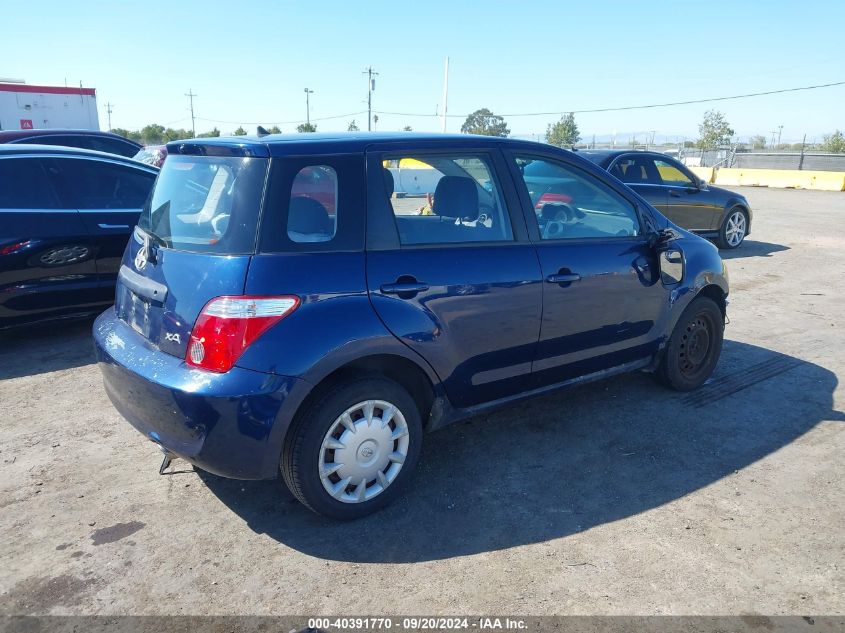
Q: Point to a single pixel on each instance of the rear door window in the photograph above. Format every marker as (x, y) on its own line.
(445, 199)
(207, 204)
(636, 170)
(24, 184)
(99, 184)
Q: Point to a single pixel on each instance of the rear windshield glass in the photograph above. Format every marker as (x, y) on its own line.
(206, 204)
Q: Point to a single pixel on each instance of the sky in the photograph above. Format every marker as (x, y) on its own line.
(250, 62)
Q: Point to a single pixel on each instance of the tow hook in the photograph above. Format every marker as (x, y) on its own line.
(165, 463)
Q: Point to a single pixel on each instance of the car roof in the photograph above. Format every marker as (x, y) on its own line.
(7, 136)
(28, 149)
(339, 142)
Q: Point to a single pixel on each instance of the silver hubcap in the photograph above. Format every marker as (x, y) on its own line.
(735, 231)
(363, 451)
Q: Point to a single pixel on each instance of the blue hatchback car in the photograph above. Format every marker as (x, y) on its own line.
(313, 304)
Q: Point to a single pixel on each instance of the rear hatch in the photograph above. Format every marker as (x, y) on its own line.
(193, 242)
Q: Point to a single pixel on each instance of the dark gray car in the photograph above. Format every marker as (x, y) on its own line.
(679, 194)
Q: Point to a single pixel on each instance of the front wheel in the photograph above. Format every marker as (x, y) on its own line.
(733, 229)
(694, 347)
(350, 452)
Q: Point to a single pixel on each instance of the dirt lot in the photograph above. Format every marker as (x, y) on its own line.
(618, 497)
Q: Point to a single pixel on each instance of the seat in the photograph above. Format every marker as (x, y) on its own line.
(456, 197)
(309, 221)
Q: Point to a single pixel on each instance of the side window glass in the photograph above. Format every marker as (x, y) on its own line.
(24, 184)
(94, 184)
(445, 199)
(312, 213)
(671, 175)
(636, 170)
(571, 204)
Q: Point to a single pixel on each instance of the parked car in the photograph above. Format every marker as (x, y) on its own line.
(83, 139)
(255, 333)
(680, 195)
(65, 218)
(152, 155)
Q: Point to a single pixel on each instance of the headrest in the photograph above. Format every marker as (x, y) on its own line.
(306, 215)
(456, 197)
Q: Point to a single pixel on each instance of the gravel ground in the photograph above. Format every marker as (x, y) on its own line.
(618, 497)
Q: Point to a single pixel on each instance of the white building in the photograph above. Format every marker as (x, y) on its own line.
(24, 106)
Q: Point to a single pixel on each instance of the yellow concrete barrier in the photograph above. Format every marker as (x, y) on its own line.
(781, 178)
(705, 173)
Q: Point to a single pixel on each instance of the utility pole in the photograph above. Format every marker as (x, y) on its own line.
(109, 111)
(371, 85)
(445, 96)
(801, 160)
(190, 94)
(308, 93)
(780, 129)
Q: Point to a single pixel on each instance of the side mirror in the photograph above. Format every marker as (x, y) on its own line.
(671, 267)
(701, 183)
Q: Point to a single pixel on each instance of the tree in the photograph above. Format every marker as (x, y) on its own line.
(485, 122)
(714, 130)
(758, 142)
(274, 130)
(152, 134)
(352, 127)
(564, 132)
(214, 133)
(407, 128)
(239, 132)
(306, 127)
(173, 135)
(833, 143)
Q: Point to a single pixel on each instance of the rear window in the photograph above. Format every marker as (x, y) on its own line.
(207, 204)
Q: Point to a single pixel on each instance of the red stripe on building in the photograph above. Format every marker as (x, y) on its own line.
(50, 90)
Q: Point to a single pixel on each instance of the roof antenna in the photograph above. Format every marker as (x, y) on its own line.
(261, 132)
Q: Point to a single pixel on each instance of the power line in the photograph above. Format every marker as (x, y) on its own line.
(325, 118)
(636, 107)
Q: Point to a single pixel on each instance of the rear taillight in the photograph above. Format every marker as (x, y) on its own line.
(228, 325)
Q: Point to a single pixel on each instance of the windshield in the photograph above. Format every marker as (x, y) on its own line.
(206, 204)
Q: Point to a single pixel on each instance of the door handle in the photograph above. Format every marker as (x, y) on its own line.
(402, 288)
(674, 194)
(103, 225)
(563, 278)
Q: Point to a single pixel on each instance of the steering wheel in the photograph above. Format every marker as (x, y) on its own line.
(557, 216)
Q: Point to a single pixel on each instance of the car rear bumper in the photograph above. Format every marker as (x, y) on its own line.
(230, 424)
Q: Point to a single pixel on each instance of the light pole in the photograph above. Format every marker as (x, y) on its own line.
(780, 129)
(308, 93)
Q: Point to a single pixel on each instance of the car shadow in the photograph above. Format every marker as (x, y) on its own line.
(752, 248)
(43, 348)
(563, 463)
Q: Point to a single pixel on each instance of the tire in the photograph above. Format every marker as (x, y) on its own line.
(333, 429)
(694, 347)
(734, 228)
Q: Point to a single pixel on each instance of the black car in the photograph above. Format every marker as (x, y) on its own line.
(65, 217)
(679, 194)
(83, 139)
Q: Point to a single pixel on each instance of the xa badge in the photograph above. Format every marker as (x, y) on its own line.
(173, 336)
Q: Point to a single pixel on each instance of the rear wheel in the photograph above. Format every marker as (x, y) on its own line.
(694, 347)
(351, 452)
(733, 229)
